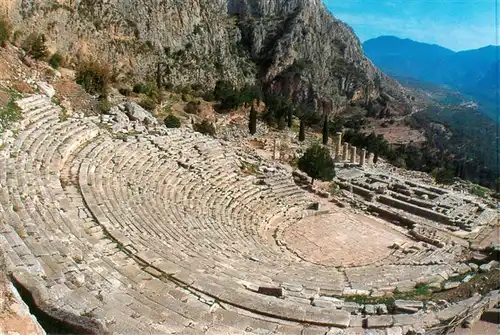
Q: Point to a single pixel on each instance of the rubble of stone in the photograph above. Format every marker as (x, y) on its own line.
(130, 117)
(174, 232)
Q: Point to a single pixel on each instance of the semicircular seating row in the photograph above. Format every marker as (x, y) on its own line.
(172, 230)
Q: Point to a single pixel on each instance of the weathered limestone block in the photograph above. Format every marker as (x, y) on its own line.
(137, 113)
(379, 321)
(352, 307)
(488, 266)
(451, 285)
(46, 89)
(408, 306)
(395, 331)
(455, 309)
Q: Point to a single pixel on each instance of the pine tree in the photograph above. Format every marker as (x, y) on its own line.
(252, 124)
(302, 131)
(317, 163)
(325, 131)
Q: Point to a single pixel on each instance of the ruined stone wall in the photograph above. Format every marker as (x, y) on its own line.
(363, 192)
(415, 210)
(414, 201)
(390, 216)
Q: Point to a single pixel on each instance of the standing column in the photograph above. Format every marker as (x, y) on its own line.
(362, 157)
(339, 146)
(353, 154)
(345, 152)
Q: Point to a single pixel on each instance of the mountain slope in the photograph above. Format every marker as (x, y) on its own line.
(404, 57)
(293, 47)
(473, 71)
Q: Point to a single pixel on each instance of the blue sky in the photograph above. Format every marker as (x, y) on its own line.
(454, 24)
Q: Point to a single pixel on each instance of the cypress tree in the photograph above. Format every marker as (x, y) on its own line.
(325, 131)
(302, 131)
(252, 125)
(290, 116)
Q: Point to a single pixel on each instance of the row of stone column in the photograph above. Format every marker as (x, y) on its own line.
(342, 152)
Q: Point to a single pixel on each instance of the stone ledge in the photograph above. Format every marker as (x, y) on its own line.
(43, 302)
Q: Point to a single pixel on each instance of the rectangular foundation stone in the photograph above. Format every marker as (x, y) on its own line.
(379, 321)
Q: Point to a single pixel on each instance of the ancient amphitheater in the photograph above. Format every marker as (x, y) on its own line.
(164, 233)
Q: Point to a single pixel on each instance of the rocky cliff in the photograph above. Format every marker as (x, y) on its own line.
(292, 47)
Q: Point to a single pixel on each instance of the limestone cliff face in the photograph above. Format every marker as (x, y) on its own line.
(293, 47)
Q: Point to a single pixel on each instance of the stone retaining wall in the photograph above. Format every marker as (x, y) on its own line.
(415, 210)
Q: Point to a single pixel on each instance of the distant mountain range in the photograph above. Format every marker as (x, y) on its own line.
(473, 72)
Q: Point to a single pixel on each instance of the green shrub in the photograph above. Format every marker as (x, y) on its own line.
(334, 189)
(103, 106)
(148, 89)
(444, 176)
(9, 114)
(205, 127)
(16, 37)
(480, 191)
(34, 45)
(94, 77)
(56, 60)
(139, 88)
(148, 103)
(4, 32)
(172, 121)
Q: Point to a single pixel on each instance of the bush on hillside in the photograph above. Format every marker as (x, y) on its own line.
(205, 127)
(103, 106)
(34, 45)
(149, 89)
(4, 32)
(94, 77)
(56, 60)
(16, 37)
(172, 121)
(148, 103)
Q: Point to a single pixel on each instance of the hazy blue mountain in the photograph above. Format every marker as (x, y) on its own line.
(404, 57)
(473, 72)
